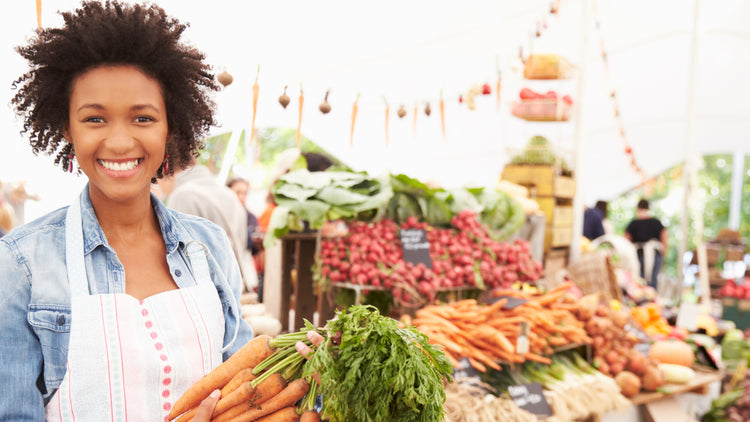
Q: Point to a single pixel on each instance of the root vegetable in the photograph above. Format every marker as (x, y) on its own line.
(653, 378)
(636, 362)
(629, 383)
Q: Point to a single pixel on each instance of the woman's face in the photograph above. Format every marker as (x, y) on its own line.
(118, 127)
(240, 188)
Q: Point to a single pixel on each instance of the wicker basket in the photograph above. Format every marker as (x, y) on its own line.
(593, 272)
(541, 110)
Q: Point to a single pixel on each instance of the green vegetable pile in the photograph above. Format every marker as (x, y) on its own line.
(538, 151)
(369, 368)
(315, 197)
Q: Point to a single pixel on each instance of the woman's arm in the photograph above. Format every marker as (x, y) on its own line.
(664, 237)
(20, 349)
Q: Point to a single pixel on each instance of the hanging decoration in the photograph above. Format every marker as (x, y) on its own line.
(39, 14)
(387, 114)
(355, 108)
(256, 91)
(284, 99)
(442, 113)
(225, 78)
(414, 122)
(427, 110)
(299, 119)
(324, 107)
(627, 147)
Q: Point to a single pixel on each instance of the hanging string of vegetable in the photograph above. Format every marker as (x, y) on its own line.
(39, 14)
(355, 107)
(497, 91)
(256, 90)
(387, 114)
(299, 119)
(414, 124)
(442, 113)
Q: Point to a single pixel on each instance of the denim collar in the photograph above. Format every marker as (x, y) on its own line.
(174, 234)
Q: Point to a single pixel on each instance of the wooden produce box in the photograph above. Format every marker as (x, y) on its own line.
(542, 181)
(557, 237)
(555, 212)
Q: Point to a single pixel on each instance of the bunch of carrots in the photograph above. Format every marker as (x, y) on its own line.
(245, 396)
(488, 334)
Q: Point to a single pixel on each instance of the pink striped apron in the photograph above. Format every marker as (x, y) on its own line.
(130, 360)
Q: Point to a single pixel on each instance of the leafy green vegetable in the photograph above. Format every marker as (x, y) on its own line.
(370, 369)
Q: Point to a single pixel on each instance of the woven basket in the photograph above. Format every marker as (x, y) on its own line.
(593, 272)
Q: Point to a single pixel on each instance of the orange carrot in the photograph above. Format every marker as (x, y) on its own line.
(244, 393)
(256, 90)
(287, 397)
(414, 125)
(239, 379)
(248, 356)
(387, 114)
(497, 91)
(39, 13)
(310, 416)
(355, 107)
(287, 414)
(270, 387)
(299, 119)
(442, 113)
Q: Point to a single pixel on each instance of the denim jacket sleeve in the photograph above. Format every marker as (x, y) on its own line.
(20, 349)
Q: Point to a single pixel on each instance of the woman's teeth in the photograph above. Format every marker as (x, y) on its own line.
(119, 166)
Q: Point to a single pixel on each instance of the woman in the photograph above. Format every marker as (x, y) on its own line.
(649, 237)
(114, 306)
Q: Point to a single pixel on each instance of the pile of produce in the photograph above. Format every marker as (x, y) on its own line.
(468, 402)
(651, 320)
(359, 378)
(573, 388)
(464, 256)
(733, 405)
(316, 197)
(730, 288)
(488, 334)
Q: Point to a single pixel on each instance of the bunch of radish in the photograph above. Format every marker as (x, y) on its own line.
(462, 256)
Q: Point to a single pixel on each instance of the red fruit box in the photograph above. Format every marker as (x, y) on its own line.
(541, 110)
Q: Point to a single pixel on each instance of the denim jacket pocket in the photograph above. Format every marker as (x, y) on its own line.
(52, 323)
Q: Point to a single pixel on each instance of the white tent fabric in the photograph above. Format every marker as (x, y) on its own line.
(408, 52)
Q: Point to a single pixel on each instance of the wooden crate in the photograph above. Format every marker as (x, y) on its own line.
(556, 212)
(541, 180)
(554, 261)
(557, 237)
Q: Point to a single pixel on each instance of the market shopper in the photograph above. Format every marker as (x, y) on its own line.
(112, 307)
(649, 237)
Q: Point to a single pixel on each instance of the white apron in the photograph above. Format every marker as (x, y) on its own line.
(130, 360)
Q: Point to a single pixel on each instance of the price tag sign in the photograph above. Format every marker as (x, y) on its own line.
(512, 301)
(687, 317)
(465, 371)
(416, 247)
(530, 397)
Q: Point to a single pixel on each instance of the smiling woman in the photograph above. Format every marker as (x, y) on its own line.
(114, 93)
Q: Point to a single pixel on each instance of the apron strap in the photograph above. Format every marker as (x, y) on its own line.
(77, 279)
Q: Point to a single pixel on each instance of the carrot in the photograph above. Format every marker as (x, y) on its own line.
(256, 90)
(39, 13)
(270, 387)
(414, 125)
(287, 414)
(249, 355)
(537, 358)
(387, 114)
(246, 393)
(310, 416)
(355, 107)
(287, 397)
(299, 119)
(497, 92)
(239, 379)
(442, 113)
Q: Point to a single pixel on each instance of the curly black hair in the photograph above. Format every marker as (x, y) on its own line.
(112, 33)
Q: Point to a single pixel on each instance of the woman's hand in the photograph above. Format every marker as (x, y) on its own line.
(206, 408)
(315, 338)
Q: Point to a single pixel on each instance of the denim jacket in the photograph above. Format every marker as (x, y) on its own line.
(35, 314)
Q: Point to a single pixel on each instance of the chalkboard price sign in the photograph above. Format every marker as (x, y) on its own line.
(416, 247)
(530, 397)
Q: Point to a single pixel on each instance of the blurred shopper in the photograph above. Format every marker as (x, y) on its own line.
(196, 191)
(592, 222)
(240, 187)
(607, 225)
(649, 237)
(15, 196)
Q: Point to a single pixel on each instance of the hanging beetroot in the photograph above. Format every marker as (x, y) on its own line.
(427, 109)
(283, 98)
(324, 107)
(401, 112)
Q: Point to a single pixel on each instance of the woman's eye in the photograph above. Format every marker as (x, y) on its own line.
(94, 119)
(143, 119)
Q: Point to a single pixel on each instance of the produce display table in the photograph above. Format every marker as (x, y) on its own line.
(699, 385)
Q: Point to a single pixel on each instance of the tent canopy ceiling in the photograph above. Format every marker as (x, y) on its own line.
(410, 52)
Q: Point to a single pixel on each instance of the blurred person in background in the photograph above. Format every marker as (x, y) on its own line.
(196, 191)
(607, 225)
(15, 196)
(240, 187)
(592, 223)
(649, 237)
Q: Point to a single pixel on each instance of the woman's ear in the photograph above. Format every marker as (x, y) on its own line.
(66, 133)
